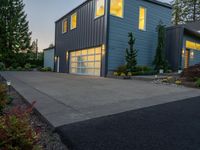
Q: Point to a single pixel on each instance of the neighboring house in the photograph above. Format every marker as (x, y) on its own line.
(92, 38)
(49, 57)
(183, 45)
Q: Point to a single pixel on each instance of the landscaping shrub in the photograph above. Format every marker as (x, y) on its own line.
(19, 69)
(16, 132)
(15, 65)
(115, 74)
(3, 97)
(27, 67)
(197, 83)
(122, 69)
(2, 66)
(10, 68)
(122, 74)
(192, 72)
(46, 69)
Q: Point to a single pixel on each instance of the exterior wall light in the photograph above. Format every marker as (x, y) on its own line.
(183, 53)
(103, 49)
(55, 58)
(192, 55)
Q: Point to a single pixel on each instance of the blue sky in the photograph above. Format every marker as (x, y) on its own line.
(43, 13)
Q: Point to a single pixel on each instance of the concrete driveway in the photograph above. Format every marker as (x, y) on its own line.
(64, 99)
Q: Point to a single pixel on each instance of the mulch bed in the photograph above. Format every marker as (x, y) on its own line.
(49, 140)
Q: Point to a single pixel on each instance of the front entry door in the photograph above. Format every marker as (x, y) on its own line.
(187, 58)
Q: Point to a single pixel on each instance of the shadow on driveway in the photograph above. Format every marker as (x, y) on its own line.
(172, 126)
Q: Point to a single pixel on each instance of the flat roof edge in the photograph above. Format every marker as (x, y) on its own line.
(86, 1)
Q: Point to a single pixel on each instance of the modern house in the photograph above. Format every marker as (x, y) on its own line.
(49, 57)
(183, 45)
(92, 38)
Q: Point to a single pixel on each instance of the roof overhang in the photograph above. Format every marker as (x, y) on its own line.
(191, 32)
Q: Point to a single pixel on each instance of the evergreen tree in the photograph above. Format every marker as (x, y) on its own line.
(177, 13)
(191, 10)
(185, 11)
(160, 60)
(131, 54)
(15, 35)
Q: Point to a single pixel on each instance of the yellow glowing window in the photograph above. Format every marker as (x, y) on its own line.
(99, 8)
(142, 18)
(192, 45)
(116, 8)
(73, 21)
(64, 26)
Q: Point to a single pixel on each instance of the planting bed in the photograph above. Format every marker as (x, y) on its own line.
(49, 140)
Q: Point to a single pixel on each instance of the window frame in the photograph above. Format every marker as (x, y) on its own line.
(122, 10)
(63, 25)
(95, 17)
(75, 13)
(145, 18)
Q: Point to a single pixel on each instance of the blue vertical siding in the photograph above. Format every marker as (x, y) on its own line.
(146, 41)
(49, 58)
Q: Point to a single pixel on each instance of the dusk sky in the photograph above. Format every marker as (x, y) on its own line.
(42, 15)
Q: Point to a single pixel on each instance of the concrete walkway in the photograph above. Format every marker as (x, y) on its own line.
(65, 99)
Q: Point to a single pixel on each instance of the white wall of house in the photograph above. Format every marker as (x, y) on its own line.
(49, 58)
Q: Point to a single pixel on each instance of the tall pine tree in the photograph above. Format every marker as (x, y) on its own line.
(192, 10)
(160, 60)
(15, 37)
(185, 11)
(131, 54)
(177, 13)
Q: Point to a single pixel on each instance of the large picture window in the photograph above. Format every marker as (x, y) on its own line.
(142, 18)
(100, 4)
(73, 21)
(116, 8)
(64, 26)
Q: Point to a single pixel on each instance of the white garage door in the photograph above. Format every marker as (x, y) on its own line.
(86, 62)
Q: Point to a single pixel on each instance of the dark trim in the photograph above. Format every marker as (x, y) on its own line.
(191, 32)
(180, 49)
(107, 25)
(50, 48)
(160, 3)
(150, 1)
(73, 10)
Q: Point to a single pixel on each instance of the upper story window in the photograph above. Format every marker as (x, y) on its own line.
(142, 18)
(117, 8)
(73, 21)
(100, 8)
(64, 26)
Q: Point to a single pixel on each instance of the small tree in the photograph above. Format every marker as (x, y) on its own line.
(131, 54)
(160, 60)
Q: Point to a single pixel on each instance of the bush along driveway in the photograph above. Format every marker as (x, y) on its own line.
(21, 128)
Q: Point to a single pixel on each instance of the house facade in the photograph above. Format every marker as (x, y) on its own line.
(92, 38)
(183, 45)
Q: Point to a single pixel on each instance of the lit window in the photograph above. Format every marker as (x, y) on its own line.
(116, 8)
(73, 21)
(192, 45)
(64, 26)
(142, 18)
(99, 8)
